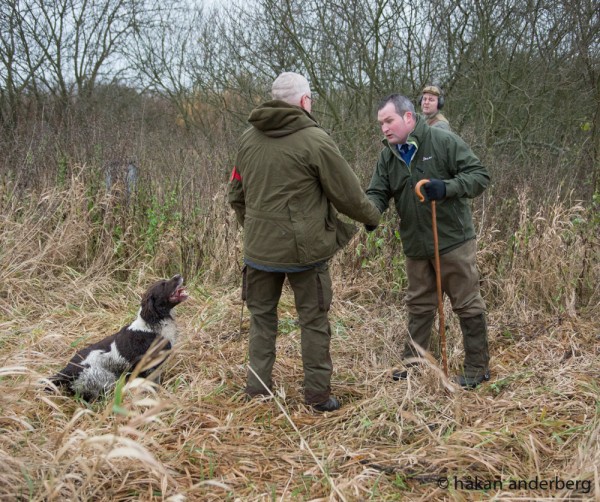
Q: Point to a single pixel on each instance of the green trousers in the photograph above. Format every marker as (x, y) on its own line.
(312, 295)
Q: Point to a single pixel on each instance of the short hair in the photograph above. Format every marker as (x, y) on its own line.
(401, 103)
(290, 87)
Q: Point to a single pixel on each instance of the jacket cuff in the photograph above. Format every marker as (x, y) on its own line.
(451, 188)
(376, 213)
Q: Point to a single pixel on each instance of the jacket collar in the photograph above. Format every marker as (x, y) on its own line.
(277, 118)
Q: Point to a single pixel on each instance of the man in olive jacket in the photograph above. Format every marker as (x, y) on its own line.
(288, 181)
(431, 102)
(414, 151)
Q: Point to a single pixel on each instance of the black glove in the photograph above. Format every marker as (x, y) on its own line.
(435, 189)
(370, 228)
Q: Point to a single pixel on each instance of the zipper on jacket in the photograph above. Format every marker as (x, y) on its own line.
(396, 154)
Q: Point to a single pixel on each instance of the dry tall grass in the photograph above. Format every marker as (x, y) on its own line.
(72, 266)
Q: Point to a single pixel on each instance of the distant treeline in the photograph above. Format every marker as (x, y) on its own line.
(163, 83)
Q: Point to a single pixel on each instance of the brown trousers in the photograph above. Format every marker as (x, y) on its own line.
(460, 281)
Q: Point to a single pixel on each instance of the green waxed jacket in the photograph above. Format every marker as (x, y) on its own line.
(288, 181)
(440, 155)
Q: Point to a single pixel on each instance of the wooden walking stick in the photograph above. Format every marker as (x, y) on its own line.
(438, 276)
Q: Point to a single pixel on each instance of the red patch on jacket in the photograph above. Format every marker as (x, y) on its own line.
(235, 175)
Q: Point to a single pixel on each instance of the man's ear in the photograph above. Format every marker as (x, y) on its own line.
(303, 102)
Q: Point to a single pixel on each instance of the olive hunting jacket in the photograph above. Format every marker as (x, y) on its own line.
(440, 155)
(288, 181)
(438, 120)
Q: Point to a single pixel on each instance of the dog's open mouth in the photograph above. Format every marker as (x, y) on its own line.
(179, 295)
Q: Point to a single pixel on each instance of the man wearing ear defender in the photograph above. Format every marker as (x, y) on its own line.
(415, 151)
(431, 102)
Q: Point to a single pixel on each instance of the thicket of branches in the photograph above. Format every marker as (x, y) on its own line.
(166, 84)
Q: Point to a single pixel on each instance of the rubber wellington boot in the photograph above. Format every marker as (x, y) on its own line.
(477, 358)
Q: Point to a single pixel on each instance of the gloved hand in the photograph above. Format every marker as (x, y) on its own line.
(370, 228)
(435, 189)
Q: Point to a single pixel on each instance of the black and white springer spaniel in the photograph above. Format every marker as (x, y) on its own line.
(96, 368)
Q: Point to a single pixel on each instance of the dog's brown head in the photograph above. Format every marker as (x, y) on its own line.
(161, 298)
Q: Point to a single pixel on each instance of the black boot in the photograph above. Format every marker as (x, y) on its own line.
(331, 404)
(472, 382)
(402, 374)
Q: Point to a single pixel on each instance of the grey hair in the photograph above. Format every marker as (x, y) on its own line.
(401, 103)
(290, 87)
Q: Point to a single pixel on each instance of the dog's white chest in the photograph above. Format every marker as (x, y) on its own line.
(168, 330)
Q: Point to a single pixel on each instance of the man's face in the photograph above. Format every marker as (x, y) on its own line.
(395, 128)
(429, 103)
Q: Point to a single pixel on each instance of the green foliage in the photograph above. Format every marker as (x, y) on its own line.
(497, 386)
(381, 252)
(400, 482)
(79, 341)
(287, 325)
(366, 422)
(160, 216)
(29, 481)
(117, 407)
(595, 211)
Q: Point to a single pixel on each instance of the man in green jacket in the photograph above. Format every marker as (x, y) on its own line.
(414, 151)
(288, 181)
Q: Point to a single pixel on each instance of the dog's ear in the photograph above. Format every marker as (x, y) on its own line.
(149, 311)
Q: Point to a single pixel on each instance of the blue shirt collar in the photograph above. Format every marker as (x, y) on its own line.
(407, 152)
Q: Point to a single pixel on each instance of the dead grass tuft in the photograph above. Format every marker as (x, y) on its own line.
(196, 437)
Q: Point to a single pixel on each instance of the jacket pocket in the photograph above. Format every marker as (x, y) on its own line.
(269, 240)
(314, 241)
(315, 233)
(451, 227)
(459, 219)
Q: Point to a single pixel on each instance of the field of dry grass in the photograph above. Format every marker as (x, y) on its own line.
(67, 278)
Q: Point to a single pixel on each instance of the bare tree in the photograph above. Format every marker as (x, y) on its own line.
(19, 61)
(521, 78)
(63, 48)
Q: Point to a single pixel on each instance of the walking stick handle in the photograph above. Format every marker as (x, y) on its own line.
(418, 190)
